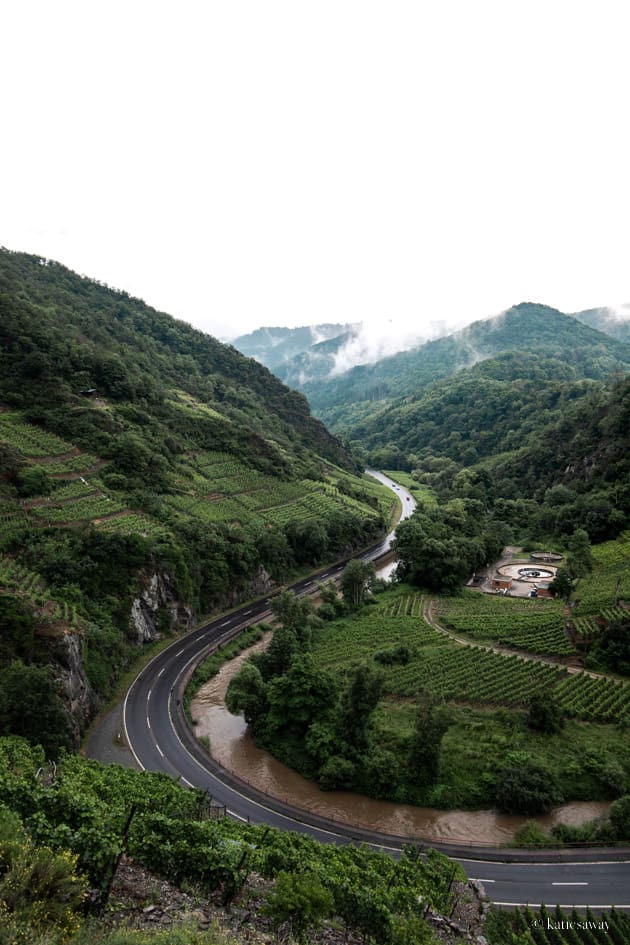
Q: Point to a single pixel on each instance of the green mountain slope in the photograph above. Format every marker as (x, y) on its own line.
(526, 327)
(148, 475)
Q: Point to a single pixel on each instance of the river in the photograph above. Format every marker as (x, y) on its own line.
(232, 747)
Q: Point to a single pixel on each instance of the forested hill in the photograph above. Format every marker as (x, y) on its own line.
(61, 334)
(526, 327)
(149, 475)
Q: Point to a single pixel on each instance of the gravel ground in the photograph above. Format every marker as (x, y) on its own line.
(106, 742)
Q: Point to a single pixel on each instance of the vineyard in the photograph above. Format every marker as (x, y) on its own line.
(30, 440)
(557, 927)
(17, 579)
(215, 487)
(609, 582)
(533, 625)
(472, 675)
(210, 487)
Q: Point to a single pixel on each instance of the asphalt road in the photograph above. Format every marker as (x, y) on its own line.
(160, 740)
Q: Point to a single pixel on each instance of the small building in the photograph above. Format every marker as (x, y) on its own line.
(543, 589)
(501, 583)
(88, 392)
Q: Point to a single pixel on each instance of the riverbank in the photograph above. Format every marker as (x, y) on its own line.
(232, 748)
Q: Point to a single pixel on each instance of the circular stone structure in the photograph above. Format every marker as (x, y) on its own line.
(529, 573)
(549, 557)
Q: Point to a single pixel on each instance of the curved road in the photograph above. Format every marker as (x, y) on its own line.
(160, 740)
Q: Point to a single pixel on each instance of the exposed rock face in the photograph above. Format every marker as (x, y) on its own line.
(81, 700)
(260, 584)
(157, 598)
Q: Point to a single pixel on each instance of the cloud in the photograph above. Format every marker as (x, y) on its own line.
(374, 341)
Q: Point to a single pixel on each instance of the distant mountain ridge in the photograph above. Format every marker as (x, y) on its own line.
(276, 346)
(525, 327)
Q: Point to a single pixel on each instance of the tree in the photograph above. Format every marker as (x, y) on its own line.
(619, 815)
(580, 556)
(526, 788)
(295, 614)
(562, 585)
(356, 580)
(358, 701)
(423, 758)
(30, 706)
(305, 694)
(545, 714)
(247, 694)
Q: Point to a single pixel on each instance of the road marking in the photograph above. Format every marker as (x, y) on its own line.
(479, 880)
(159, 749)
(225, 624)
(308, 584)
(179, 653)
(149, 694)
(569, 884)
(233, 813)
(148, 721)
(246, 613)
(185, 781)
(161, 671)
(564, 905)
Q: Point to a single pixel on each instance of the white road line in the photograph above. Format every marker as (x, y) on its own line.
(564, 905)
(233, 813)
(148, 722)
(479, 880)
(159, 749)
(161, 671)
(185, 781)
(569, 884)
(225, 624)
(179, 653)
(149, 694)
(246, 613)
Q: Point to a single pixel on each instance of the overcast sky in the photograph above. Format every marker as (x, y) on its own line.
(238, 164)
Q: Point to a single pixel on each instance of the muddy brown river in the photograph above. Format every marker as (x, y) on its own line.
(233, 748)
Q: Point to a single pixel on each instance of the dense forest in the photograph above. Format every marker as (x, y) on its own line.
(149, 475)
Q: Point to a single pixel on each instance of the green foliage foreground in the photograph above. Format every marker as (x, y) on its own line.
(79, 812)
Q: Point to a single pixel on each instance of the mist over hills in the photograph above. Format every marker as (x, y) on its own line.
(525, 327)
(331, 363)
(274, 347)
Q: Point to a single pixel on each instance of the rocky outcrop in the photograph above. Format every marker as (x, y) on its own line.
(158, 606)
(259, 585)
(79, 697)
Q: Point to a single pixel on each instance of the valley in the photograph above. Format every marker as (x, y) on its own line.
(158, 486)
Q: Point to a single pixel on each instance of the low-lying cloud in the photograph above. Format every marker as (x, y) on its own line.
(375, 341)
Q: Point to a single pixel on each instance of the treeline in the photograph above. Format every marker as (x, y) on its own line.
(321, 724)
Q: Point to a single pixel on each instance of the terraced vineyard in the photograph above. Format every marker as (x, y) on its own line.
(465, 674)
(533, 625)
(609, 581)
(217, 488)
(17, 579)
(30, 440)
(211, 487)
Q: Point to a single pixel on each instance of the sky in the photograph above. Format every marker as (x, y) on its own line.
(409, 165)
